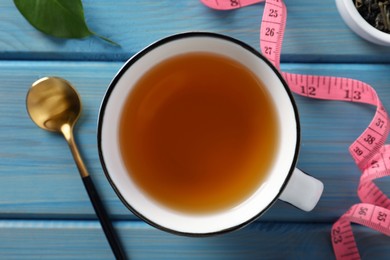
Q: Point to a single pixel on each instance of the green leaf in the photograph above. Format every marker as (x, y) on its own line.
(59, 18)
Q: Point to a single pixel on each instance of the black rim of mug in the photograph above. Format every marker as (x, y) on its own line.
(138, 56)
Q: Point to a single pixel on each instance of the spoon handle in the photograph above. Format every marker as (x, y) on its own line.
(113, 240)
(103, 218)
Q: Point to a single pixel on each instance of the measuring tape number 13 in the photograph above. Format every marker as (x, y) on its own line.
(369, 150)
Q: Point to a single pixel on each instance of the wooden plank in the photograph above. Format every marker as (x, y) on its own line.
(315, 31)
(85, 240)
(38, 178)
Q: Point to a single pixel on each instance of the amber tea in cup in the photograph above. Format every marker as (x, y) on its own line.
(198, 132)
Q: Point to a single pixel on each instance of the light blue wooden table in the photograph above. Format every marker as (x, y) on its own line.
(44, 210)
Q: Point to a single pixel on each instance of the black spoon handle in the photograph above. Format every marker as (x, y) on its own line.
(101, 213)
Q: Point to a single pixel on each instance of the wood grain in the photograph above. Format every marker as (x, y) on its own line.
(56, 240)
(44, 210)
(39, 179)
(315, 31)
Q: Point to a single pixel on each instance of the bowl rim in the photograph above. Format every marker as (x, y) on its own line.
(359, 25)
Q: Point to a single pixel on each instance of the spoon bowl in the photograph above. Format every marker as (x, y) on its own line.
(53, 102)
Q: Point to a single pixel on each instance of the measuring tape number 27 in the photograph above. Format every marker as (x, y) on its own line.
(369, 150)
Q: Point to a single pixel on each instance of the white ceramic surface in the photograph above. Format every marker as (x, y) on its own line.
(157, 214)
(360, 26)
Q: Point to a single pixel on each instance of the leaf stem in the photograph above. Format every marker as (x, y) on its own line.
(106, 39)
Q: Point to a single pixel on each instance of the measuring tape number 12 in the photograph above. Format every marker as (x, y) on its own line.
(369, 150)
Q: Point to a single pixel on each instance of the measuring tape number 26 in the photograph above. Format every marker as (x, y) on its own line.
(369, 150)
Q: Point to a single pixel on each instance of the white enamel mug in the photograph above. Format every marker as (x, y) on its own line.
(284, 181)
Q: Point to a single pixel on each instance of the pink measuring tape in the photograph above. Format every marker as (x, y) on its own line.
(369, 150)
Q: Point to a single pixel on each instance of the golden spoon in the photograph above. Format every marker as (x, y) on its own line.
(54, 105)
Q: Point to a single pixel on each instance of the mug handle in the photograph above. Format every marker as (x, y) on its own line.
(302, 191)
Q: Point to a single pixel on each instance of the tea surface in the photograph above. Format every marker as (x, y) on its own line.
(198, 133)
